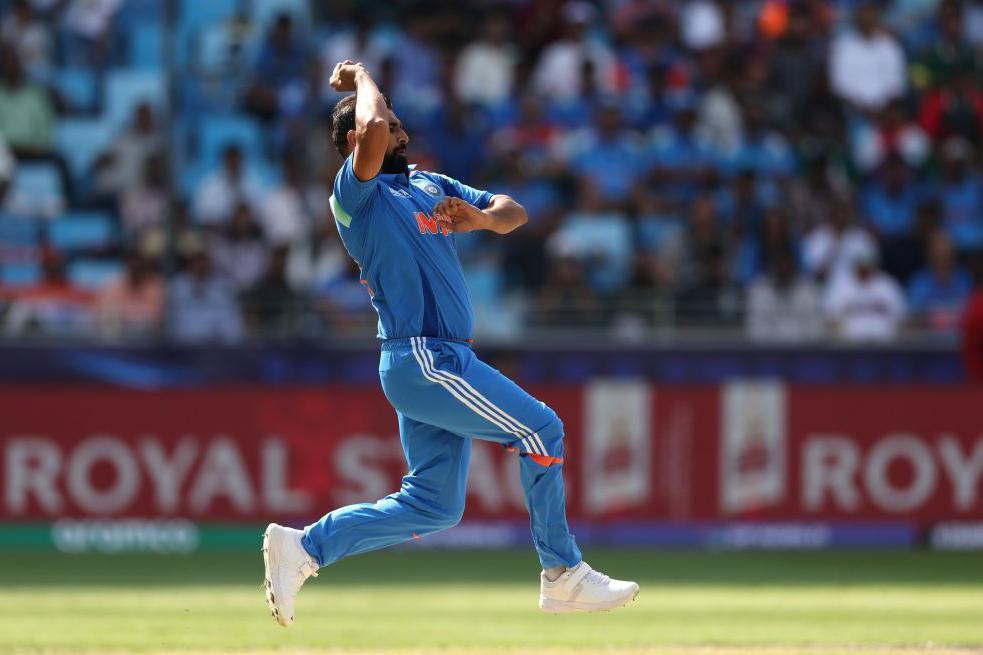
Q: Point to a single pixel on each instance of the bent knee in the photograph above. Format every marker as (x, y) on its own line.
(545, 446)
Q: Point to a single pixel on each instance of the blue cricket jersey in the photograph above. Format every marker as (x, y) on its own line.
(408, 261)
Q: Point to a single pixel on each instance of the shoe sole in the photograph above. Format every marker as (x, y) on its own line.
(551, 606)
(269, 563)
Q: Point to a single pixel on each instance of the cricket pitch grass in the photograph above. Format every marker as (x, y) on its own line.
(415, 602)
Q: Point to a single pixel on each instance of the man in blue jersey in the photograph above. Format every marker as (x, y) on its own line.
(398, 223)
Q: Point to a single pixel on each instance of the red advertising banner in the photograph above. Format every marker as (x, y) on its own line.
(756, 450)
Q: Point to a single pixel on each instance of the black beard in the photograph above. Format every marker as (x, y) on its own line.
(395, 164)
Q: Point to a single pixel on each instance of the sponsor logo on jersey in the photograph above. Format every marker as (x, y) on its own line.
(430, 225)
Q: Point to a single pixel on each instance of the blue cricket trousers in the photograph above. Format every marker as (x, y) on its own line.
(445, 396)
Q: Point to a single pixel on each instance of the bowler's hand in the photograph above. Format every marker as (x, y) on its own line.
(460, 216)
(343, 76)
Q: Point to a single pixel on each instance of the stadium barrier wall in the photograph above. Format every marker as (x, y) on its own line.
(739, 465)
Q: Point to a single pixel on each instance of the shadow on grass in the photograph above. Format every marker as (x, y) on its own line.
(419, 567)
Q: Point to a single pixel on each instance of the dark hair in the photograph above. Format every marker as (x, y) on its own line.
(343, 120)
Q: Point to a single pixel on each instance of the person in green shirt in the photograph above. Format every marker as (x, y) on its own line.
(27, 115)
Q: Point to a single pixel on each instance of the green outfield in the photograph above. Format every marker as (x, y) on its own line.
(415, 601)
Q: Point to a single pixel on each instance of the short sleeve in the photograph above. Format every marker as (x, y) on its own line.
(350, 193)
(476, 197)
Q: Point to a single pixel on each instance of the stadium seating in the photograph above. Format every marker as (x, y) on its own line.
(82, 231)
(78, 87)
(81, 141)
(146, 46)
(125, 89)
(215, 132)
(265, 11)
(20, 274)
(93, 274)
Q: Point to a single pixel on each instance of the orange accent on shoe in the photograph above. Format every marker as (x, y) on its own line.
(545, 460)
(415, 535)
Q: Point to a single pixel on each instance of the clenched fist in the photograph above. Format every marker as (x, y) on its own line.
(343, 76)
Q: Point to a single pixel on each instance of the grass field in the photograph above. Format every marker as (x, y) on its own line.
(477, 603)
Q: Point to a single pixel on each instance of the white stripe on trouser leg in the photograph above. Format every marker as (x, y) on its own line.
(454, 392)
(477, 395)
(445, 378)
(517, 426)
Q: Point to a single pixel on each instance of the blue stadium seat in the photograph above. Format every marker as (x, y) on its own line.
(93, 274)
(18, 231)
(82, 231)
(196, 14)
(81, 141)
(125, 89)
(40, 181)
(265, 11)
(215, 132)
(146, 46)
(78, 86)
(23, 274)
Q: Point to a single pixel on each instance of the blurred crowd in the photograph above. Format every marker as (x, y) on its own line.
(785, 169)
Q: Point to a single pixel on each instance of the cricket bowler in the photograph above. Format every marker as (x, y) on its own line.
(398, 224)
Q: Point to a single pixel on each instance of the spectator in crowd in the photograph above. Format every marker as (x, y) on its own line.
(713, 298)
(865, 304)
(783, 306)
(702, 24)
(90, 30)
(558, 71)
(684, 160)
(610, 158)
(796, 67)
(600, 239)
(25, 34)
(961, 196)
(566, 301)
(27, 114)
(290, 211)
(867, 64)
(279, 84)
(485, 69)
(954, 108)
(951, 54)
(239, 252)
(52, 308)
(341, 298)
(202, 307)
(270, 306)
(224, 189)
(890, 206)
(133, 304)
(830, 248)
(891, 135)
(937, 293)
(145, 206)
(121, 166)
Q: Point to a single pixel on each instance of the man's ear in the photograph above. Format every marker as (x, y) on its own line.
(350, 137)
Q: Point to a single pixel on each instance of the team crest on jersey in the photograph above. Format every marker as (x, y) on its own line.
(399, 193)
(428, 186)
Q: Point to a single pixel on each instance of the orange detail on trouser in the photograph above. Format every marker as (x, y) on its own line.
(544, 460)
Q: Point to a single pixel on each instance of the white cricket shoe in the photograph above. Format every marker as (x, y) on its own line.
(582, 589)
(287, 566)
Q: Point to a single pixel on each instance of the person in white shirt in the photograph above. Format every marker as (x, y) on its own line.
(783, 306)
(558, 71)
(867, 66)
(829, 249)
(867, 304)
(485, 69)
(220, 192)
